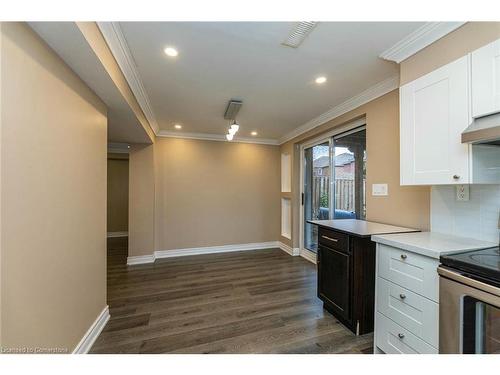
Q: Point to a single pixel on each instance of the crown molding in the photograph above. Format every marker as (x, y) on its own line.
(116, 41)
(215, 137)
(366, 96)
(418, 40)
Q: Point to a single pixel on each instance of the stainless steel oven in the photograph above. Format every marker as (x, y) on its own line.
(469, 313)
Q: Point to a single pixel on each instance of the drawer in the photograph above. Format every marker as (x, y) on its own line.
(391, 338)
(412, 271)
(333, 239)
(417, 314)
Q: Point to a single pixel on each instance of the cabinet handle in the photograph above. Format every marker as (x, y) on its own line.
(456, 177)
(402, 296)
(404, 256)
(401, 335)
(329, 238)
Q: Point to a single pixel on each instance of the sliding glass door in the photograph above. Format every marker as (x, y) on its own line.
(334, 180)
(349, 175)
(316, 194)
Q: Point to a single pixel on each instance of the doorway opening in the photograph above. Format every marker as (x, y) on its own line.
(117, 202)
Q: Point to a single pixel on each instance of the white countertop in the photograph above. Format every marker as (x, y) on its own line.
(431, 244)
(360, 228)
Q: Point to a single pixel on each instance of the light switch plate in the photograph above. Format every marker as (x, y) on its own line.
(463, 194)
(380, 189)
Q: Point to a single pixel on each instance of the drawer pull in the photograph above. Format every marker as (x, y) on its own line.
(401, 335)
(329, 238)
(402, 296)
(404, 256)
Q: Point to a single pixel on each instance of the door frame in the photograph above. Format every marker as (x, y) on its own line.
(323, 138)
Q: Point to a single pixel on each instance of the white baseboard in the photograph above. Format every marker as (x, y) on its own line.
(143, 259)
(93, 332)
(215, 249)
(309, 255)
(117, 234)
(288, 249)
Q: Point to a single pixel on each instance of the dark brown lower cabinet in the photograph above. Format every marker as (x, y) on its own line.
(335, 275)
(346, 278)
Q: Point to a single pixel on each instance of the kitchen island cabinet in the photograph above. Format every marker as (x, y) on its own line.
(346, 269)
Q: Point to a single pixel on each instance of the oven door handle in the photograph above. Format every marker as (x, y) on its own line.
(455, 276)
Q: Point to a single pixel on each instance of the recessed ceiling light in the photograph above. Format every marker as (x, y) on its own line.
(253, 133)
(229, 137)
(178, 126)
(320, 80)
(171, 51)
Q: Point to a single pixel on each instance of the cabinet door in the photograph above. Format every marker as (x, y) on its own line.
(334, 280)
(434, 112)
(485, 79)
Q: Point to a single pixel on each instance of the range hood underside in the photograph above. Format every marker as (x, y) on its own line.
(484, 130)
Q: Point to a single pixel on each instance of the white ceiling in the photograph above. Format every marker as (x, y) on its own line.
(245, 60)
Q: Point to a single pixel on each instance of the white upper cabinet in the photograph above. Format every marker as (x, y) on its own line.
(486, 80)
(434, 112)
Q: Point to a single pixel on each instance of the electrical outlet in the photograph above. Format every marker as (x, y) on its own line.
(462, 193)
(380, 189)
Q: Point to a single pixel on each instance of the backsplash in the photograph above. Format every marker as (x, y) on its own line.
(476, 218)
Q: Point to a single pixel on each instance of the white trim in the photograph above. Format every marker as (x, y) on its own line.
(323, 137)
(117, 234)
(366, 96)
(309, 255)
(143, 259)
(93, 332)
(140, 259)
(418, 40)
(215, 249)
(116, 41)
(289, 250)
(215, 137)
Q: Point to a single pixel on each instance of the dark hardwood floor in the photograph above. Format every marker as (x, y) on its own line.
(243, 302)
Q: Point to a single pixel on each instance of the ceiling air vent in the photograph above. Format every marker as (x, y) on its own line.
(299, 33)
(232, 109)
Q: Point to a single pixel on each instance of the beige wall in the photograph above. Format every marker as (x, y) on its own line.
(117, 208)
(141, 200)
(213, 193)
(405, 206)
(96, 41)
(449, 48)
(53, 197)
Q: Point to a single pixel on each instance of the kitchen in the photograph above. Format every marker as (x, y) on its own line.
(422, 279)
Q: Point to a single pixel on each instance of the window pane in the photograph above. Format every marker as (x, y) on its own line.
(316, 191)
(350, 176)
